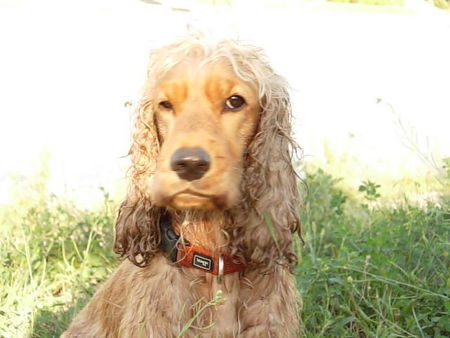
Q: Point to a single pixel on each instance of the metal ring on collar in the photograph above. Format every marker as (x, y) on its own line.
(220, 272)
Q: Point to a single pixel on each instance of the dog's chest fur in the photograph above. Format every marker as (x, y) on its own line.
(211, 302)
(162, 286)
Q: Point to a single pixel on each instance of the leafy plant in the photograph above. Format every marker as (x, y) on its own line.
(370, 190)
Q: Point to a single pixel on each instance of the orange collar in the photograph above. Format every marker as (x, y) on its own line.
(192, 256)
(217, 264)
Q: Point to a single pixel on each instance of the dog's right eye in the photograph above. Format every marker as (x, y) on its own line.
(166, 105)
(234, 102)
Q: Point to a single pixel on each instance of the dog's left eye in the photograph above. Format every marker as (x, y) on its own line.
(234, 102)
(166, 105)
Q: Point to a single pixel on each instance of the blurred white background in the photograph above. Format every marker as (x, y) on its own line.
(67, 68)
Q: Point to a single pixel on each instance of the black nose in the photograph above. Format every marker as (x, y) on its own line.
(190, 163)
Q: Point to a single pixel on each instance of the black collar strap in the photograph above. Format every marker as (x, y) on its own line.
(169, 239)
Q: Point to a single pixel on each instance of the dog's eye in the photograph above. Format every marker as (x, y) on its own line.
(234, 102)
(166, 105)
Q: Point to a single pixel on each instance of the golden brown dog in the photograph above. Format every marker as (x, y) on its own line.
(212, 204)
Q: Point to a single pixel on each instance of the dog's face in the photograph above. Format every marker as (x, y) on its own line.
(205, 117)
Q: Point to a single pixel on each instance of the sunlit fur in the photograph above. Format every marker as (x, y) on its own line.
(150, 297)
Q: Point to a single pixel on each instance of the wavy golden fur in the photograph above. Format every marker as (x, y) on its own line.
(246, 204)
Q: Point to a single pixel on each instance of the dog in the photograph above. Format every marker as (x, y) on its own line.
(206, 229)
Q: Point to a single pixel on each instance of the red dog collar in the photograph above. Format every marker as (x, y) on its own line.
(195, 257)
(217, 264)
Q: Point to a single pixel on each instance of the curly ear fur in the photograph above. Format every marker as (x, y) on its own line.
(137, 232)
(271, 201)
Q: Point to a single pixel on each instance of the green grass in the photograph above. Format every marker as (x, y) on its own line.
(373, 271)
(368, 268)
(53, 255)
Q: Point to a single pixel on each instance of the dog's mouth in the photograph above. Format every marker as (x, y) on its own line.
(190, 199)
(191, 192)
(213, 193)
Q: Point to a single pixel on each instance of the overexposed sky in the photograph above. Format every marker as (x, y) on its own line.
(68, 67)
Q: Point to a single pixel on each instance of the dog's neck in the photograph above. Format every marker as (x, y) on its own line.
(204, 229)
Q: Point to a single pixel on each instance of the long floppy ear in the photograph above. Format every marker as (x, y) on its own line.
(137, 234)
(270, 184)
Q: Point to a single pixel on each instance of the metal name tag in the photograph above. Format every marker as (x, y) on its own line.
(202, 262)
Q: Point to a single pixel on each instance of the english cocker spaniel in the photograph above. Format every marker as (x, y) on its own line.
(207, 225)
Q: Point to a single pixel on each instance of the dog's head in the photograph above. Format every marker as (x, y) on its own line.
(212, 133)
(204, 116)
